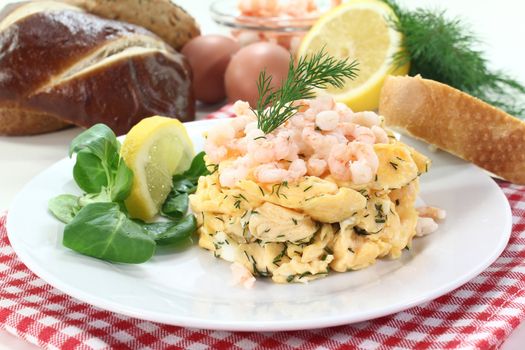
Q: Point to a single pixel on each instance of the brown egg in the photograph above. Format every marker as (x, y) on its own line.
(209, 56)
(247, 63)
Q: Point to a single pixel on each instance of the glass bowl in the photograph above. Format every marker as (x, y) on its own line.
(284, 29)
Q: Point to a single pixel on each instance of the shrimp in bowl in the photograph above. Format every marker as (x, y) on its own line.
(328, 190)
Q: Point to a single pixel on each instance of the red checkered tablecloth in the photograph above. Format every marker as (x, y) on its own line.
(478, 315)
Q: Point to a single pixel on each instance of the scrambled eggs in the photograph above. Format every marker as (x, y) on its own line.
(300, 227)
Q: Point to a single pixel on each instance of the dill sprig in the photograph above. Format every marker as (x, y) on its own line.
(445, 49)
(316, 71)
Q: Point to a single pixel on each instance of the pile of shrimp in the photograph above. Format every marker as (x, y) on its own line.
(323, 139)
(277, 8)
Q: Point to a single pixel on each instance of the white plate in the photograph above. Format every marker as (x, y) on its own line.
(193, 289)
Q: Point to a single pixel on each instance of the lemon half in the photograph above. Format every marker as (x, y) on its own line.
(155, 149)
(360, 30)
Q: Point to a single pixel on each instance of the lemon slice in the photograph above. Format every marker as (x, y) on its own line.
(155, 149)
(361, 30)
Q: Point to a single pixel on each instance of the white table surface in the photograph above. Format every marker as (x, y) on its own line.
(499, 23)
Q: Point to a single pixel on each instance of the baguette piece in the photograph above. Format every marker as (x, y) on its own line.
(162, 17)
(457, 123)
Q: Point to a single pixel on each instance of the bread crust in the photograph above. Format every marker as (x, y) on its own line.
(457, 123)
(19, 122)
(162, 17)
(122, 92)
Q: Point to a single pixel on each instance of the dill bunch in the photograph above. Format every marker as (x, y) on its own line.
(274, 107)
(444, 49)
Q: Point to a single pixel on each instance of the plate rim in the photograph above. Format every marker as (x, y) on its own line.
(280, 325)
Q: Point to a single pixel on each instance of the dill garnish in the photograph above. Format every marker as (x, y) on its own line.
(278, 258)
(214, 167)
(361, 231)
(444, 49)
(304, 274)
(319, 70)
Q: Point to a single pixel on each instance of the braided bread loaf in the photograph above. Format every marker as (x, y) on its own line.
(60, 65)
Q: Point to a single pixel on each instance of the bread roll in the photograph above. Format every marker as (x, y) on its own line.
(457, 123)
(164, 18)
(60, 65)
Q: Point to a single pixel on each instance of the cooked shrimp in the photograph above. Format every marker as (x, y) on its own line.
(320, 144)
(239, 146)
(297, 121)
(338, 162)
(364, 134)
(355, 132)
(297, 138)
(298, 8)
(380, 134)
(319, 104)
(237, 171)
(241, 275)
(345, 113)
(217, 140)
(259, 8)
(239, 123)
(355, 161)
(215, 153)
(269, 148)
(261, 151)
(272, 173)
(316, 167)
(361, 172)
(285, 147)
(367, 119)
(327, 120)
(364, 151)
(432, 212)
(339, 136)
(253, 133)
(269, 173)
(242, 108)
(221, 134)
(230, 176)
(296, 170)
(425, 226)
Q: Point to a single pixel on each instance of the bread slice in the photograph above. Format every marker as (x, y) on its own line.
(457, 123)
(162, 17)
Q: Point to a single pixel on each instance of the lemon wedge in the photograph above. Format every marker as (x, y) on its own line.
(155, 149)
(360, 30)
